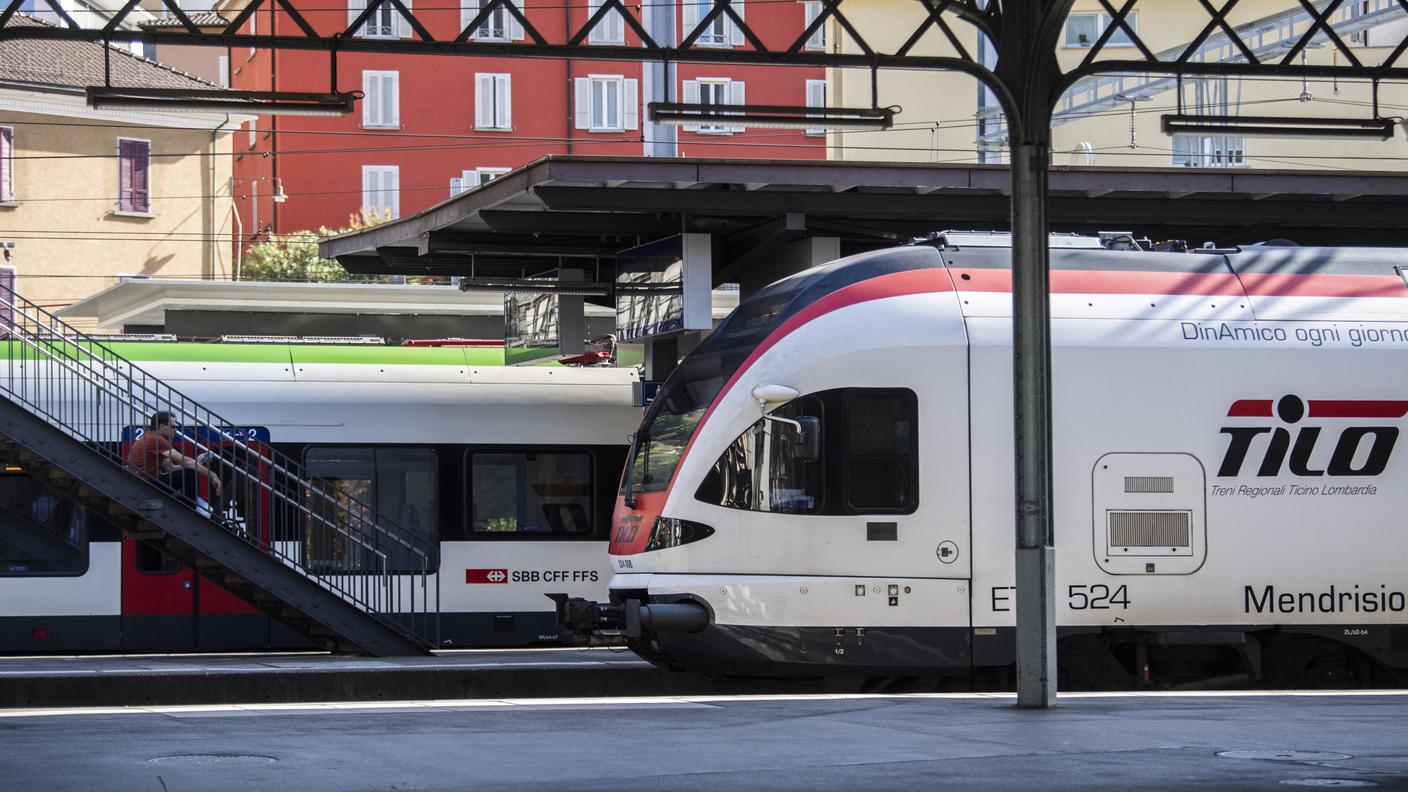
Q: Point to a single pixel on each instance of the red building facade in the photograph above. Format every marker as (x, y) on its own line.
(428, 126)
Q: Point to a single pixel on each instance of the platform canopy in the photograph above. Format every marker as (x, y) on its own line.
(579, 211)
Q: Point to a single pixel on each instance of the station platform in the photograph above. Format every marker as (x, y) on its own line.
(817, 743)
(157, 680)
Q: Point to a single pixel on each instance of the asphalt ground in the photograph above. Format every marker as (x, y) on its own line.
(818, 743)
(157, 680)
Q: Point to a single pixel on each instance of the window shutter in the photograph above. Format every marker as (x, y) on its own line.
(403, 25)
(817, 40)
(483, 96)
(456, 186)
(584, 103)
(141, 176)
(124, 176)
(504, 102)
(7, 164)
(367, 196)
(630, 104)
(393, 189)
(391, 86)
(816, 97)
(735, 96)
(691, 96)
(370, 99)
(735, 33)
(468, 10)
(354, 10)
(513, 27)
(693, 12)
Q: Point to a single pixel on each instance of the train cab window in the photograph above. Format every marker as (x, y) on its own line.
(845, 451)
(881, 451)
(40, 532)
(399, 483)
(774, 466)
(531, 493)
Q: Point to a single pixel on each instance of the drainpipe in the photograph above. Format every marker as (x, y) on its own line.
(571, 84)
(215, 193)
(239, 228)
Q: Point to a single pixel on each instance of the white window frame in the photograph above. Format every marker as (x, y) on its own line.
(469, 179)
(372, 195)
(732, 93)
(1210, 151)
(7, 165)
(724, 32)
(586, 92)
(374, 106)
(816, 97)
(1102, 21)
(493, 102)
(391, 24)
(816, 42)
(610, 30)
(498, 26)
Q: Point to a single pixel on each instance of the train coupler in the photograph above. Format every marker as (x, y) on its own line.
(585, 618)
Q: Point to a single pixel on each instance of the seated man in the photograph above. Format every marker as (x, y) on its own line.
(153, 457)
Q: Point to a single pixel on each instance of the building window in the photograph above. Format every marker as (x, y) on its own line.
(1083, 30)
(527, 493)
(607, 103)
(721, 32)
(1197, 151)
(7, 164)
(385, 22)
(381, 100)
(817, 40)
(134, 159)
(400, 484)
(610, 30)
(381, 190)
(492, 102)
(468, 180)
(40, 533)
(499, 25)
(816, 97)
(714, 91)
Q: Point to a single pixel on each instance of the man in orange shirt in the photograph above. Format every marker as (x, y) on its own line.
(154, 458)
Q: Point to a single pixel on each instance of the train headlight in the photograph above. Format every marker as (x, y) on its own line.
(672, 532)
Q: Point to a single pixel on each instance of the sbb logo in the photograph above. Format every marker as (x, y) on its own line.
(486, 576)
(1358, 450)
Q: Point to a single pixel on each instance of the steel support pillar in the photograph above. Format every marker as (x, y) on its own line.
(1031, 351)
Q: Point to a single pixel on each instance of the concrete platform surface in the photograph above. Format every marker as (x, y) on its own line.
(817, 743)
(154, 680)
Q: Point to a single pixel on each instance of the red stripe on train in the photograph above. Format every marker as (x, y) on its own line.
(1330, 408)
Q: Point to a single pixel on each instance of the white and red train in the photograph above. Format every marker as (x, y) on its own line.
(510, 473)
(824, 486)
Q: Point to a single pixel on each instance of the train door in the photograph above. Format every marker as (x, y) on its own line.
(165, 605)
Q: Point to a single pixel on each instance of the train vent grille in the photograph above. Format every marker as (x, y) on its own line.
(1148, 483)
(1150, 529)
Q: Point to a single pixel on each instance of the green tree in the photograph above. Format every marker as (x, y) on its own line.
(294, 256)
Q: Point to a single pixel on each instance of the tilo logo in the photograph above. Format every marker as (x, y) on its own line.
(1358, 450)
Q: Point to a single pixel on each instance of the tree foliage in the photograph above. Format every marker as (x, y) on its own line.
(294, 256)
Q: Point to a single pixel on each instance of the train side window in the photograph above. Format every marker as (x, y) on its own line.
(788, 480)
(398, 483)
(882, 460)
(531, 493)
(40, 532)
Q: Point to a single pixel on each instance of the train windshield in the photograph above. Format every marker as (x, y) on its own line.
(692, 387)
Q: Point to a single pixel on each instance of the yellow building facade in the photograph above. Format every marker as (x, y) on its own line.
(89, 195)
(1115, 121)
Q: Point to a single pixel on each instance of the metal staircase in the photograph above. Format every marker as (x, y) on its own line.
(303, 550)
(1266, 37)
